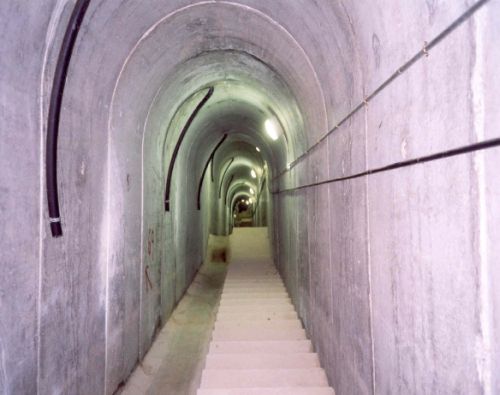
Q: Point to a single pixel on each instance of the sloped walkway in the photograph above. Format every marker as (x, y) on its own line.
(174, 363)
(258, 344)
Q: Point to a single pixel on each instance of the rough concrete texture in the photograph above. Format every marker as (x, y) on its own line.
(393, 274)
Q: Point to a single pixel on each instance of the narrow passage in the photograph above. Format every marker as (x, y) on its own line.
(258, 344)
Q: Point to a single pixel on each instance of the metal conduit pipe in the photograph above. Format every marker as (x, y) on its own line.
(227, 190)
(210, 159)
(56, 97)
(224, 175)
(179, 142)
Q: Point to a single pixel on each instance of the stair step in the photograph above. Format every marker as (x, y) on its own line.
(244, 315)
(254, 295)
(229, 301)
(256, 308)
(261, 347)
(245, 293)
(259, 324)
(252, 334)
(256, 286)
(267, 391)
(262, 361)
(248, 288)
(253, 282)
(245, 277)
(251, 378)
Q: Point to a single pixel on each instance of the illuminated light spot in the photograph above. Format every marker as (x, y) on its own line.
(253, 173)
(271, 129)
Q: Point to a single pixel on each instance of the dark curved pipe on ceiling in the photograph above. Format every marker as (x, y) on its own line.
(56, 97)
(224, 175)
(179, 142)
(210, 159)
(227, 190)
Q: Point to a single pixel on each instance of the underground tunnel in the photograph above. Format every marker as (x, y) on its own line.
(154, 153)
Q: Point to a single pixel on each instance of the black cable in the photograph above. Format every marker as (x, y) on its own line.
(411, 162)
(227, 190)
(224, 175)
(423, 52)
(54, 115)
(179, 142)
(210, 159)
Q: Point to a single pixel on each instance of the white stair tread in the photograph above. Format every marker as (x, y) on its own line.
(255, 297)
(246, 278)
(232, 334)
(243, 303)
(262, 361)
(260, 347)
(254, 282)
(267, 391)
(242, 292)
(257, 308)
(256, 315)
(272, 282)
(258, 324)
(230, 378)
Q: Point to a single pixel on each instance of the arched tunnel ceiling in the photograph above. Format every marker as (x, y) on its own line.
(240, 105)
(311, 62)
(252, 83)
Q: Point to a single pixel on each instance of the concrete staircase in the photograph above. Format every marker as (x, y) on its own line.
(258, 344)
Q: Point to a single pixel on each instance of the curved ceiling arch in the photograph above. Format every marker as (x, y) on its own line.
(155, 67)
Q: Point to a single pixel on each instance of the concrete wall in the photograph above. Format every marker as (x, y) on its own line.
(398, 293)
(393, 274)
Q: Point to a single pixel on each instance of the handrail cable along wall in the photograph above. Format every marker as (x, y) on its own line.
(423, 53)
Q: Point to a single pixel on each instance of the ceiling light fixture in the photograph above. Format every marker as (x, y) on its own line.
(258, 149)
(253, 173)
(271, 129)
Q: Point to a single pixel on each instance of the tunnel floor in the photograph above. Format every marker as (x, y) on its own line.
(257, 345)
(173, 364)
